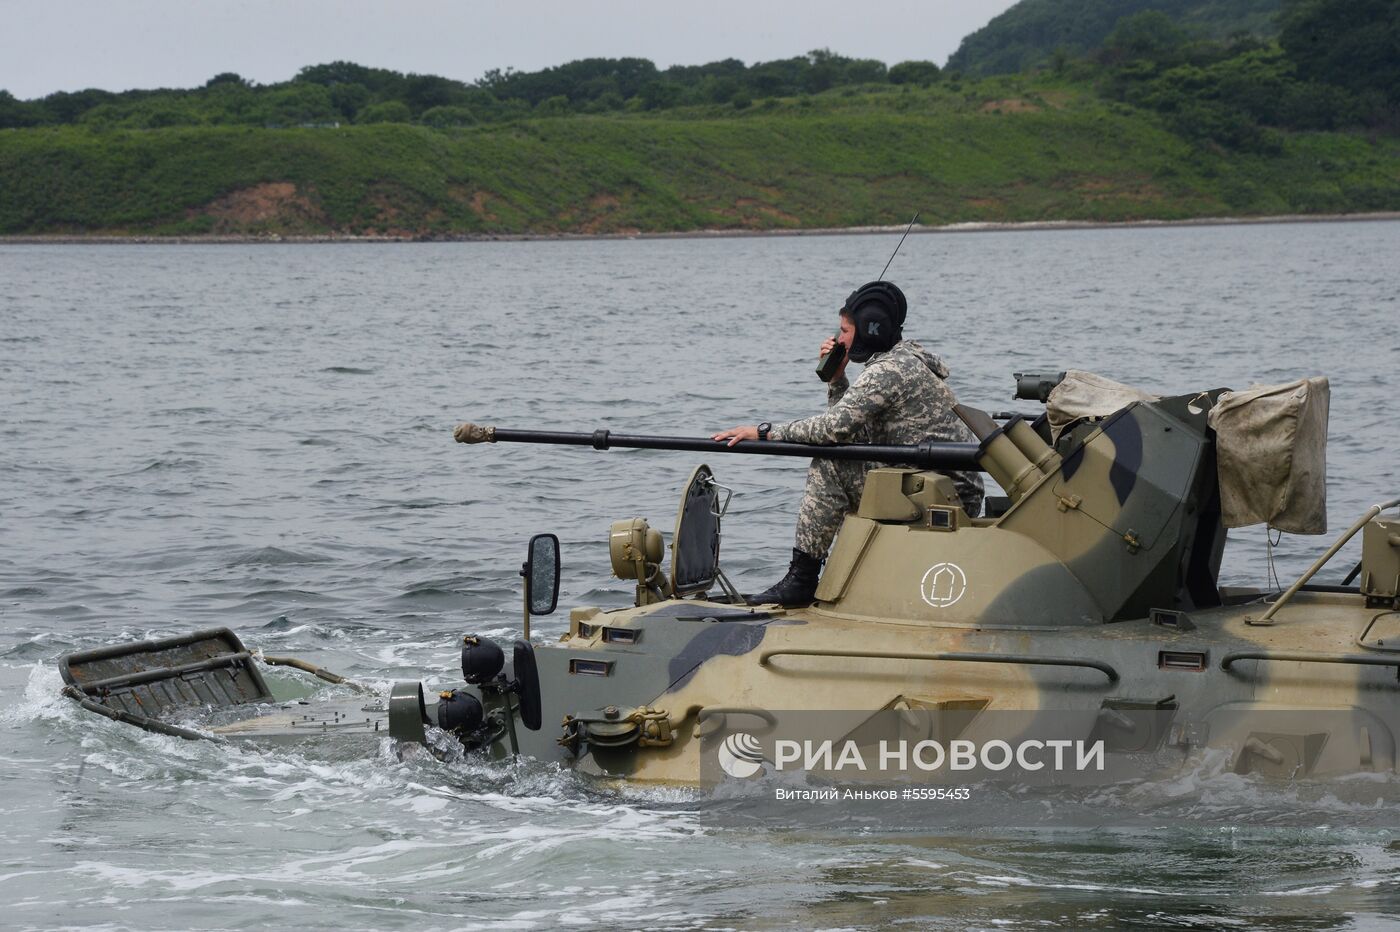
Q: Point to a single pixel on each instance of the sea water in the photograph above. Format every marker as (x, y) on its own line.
(259, 436)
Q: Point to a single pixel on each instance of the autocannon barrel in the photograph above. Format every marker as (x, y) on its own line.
(930, 455)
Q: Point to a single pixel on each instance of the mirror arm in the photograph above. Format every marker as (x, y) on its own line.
(525, 569)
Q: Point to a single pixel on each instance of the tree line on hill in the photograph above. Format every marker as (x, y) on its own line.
(1034, 32)
(1334, 64)
(344, 92)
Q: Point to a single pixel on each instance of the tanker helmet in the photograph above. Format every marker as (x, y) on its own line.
(877, 310)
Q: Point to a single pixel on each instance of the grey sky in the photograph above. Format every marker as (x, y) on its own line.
(52, 45)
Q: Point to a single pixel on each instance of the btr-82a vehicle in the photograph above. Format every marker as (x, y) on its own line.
(1085, 602)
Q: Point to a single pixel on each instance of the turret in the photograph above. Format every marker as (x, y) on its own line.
(1119, 517)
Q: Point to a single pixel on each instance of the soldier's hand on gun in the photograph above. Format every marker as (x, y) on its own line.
(735, 434)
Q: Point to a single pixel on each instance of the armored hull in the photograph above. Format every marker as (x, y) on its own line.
(1165, 686)
(1084, 608)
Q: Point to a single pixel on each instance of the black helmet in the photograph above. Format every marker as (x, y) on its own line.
(877, 310)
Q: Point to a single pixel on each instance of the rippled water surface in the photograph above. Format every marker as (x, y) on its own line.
(259, 437)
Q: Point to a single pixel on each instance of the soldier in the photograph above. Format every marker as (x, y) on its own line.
(900, 398)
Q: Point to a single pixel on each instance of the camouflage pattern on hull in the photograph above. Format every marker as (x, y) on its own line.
(1094, 592)
(741, 671)
(1092, 595)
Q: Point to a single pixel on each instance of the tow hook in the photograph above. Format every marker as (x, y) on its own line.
(610, 728)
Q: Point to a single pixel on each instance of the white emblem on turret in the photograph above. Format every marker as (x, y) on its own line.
(943, 584)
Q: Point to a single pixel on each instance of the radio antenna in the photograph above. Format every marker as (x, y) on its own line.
(881, 276)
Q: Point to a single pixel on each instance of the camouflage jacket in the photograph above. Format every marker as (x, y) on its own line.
(900, 398)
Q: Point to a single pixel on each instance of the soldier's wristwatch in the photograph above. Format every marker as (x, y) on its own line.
(763, 430)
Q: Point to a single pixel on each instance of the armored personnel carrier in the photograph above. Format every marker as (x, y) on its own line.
(1085, 604)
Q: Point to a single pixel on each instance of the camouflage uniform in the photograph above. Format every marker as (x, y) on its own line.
(900, 398)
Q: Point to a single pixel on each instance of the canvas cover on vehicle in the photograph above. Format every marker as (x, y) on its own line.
(1271, 453)
(1083, 394)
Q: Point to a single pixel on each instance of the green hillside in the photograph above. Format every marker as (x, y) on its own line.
(1013, 150)
(1152, 125)
(1032, 32)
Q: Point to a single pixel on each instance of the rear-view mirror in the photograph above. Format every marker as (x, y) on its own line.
(542, 574)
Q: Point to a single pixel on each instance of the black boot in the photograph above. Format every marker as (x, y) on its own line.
(798, 587)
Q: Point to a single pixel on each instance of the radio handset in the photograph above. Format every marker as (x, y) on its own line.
(831, 362)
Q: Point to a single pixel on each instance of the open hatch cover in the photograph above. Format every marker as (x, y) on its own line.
(695, 546)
